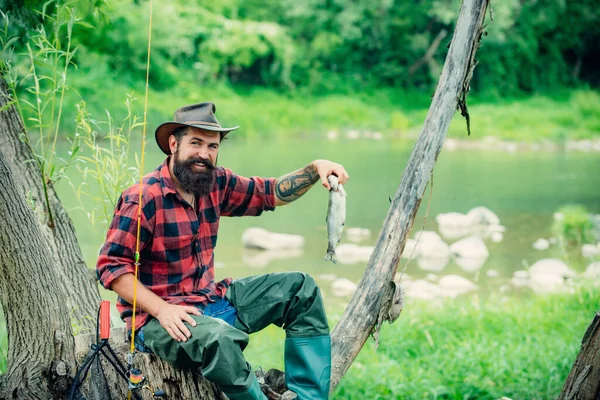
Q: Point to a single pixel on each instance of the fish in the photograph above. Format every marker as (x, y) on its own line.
(336, 216)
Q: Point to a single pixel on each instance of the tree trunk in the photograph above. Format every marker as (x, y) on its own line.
(365, 308)
(81, 291)
(41, 350)
(583, 382)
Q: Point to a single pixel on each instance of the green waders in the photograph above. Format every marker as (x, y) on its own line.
(290, 300)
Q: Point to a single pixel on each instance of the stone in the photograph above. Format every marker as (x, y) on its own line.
(471, 247)
(357, 235)
(592, 271)
(259, 238)
(262, 258)
(343, 287)
(589, 250)
(454, 285)
(430, 244)
(349, 253)
(483, 216)
(541, 244)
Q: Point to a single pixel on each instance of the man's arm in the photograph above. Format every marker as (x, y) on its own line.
(170, 316)
(292, 186)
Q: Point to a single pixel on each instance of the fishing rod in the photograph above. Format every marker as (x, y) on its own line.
(134, 376)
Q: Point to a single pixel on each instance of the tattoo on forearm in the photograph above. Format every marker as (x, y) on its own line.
(292, 186)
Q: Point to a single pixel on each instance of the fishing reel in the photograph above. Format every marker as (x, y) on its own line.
(137, 381)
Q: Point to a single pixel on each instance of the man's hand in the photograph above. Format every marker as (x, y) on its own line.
(172, 317)
(292, 186)
(325, 168)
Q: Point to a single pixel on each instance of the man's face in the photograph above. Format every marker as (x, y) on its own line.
(194, 160)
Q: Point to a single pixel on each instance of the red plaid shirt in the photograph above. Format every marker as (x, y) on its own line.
(176, 242)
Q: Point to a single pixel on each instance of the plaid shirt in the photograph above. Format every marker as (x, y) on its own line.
(176, 242)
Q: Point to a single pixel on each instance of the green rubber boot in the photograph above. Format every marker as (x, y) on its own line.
(308, 366)
(254, 393)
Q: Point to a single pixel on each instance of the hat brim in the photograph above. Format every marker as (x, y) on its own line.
(165, 130)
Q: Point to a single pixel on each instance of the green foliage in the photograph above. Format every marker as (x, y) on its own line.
(40, 92)
(573, 224)
(40, 74)
(336, 46)
(103, 162)
(467, 348)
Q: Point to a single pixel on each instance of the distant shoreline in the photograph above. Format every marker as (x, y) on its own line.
(494, 143)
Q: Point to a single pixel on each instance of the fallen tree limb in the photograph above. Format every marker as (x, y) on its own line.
(429, 53)
(362, 313)
(584, 379)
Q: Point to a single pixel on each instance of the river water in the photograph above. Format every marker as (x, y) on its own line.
(523, 189)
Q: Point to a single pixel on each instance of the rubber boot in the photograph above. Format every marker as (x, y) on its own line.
(253, 393)
(308, 366)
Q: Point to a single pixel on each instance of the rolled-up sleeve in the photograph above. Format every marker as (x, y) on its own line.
(117, 255)
(247, 196)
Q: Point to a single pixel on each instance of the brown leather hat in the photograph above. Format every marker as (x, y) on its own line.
(197, 115)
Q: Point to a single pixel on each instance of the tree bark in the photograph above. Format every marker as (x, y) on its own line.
(41, 350)
(583, 383)
(81, 291)
(362, 313)
(176, 383)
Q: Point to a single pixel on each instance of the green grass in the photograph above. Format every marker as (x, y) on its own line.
(260, 112)
(469, 348)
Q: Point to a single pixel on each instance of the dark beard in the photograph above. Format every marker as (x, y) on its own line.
(198, 183)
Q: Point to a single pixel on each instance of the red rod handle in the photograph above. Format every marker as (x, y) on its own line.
(104, 319)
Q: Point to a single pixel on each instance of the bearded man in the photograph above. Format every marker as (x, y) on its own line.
(183, 315)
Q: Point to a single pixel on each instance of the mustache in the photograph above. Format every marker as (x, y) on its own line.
(189, 162)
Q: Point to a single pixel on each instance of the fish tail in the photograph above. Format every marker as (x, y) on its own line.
(330, 256)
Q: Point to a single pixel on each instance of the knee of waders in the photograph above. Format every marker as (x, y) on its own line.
(224, 364)
(309, 291)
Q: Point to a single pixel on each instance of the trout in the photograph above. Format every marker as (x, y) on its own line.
(336, 216)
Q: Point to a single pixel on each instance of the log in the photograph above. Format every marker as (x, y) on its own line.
(365, 307)
(583, 382)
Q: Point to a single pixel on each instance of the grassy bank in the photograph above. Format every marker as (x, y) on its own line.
(464, 349)
(558, 116)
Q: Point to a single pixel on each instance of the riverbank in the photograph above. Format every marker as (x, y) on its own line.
(468, 348)
(560, 116)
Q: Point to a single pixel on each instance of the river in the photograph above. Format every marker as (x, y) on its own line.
(523, 188)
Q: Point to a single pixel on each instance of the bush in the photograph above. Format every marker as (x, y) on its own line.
(573, 224)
